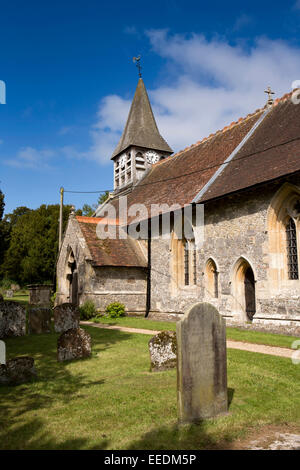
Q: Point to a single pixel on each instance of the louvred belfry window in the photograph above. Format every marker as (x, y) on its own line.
(292, 252)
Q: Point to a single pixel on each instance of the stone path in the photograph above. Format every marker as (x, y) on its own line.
(258, 348)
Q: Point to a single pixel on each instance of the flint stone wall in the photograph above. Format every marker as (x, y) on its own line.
(101, 285)
(12, 319)
(235, 226)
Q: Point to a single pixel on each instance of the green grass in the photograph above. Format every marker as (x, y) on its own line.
(21, 297)
(236, 334)
(112, 401)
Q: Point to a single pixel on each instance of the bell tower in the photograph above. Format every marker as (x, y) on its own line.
(141, 144)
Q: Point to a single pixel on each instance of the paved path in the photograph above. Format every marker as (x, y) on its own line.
(252, 347)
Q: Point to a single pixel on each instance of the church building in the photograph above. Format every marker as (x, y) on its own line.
(246, 180)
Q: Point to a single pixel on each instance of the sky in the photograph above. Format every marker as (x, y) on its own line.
(70, 79)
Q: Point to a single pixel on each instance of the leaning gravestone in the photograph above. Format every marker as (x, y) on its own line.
(163, 351)
(75, 343)
(39, 320)
(17, 371)
(12, 319)
(202, 368)
(9, 294)
(66, 316)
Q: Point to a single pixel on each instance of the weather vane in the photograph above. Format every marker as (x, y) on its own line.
(136, 60)
(270, 93)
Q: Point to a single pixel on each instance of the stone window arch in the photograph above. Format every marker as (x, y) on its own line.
(283, 226)
(211, 275)
(183, 262)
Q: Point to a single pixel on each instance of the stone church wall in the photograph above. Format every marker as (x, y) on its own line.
(236, 228)
(102, 285)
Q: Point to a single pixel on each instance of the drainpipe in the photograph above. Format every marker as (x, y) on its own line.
(148, 294)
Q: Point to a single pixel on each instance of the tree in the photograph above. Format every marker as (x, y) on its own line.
(103, 198)
(88, 210)
(31, 255)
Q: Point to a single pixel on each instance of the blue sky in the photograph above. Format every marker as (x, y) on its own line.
(70, 78)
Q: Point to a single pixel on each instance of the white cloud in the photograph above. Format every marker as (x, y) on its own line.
(210, 84)
(105, 133)
(30, 157)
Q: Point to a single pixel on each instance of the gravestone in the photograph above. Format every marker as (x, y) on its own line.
(9, 294)
(39, 320)
(12, 319)
(66, 316)
(2, 352)
(75, 343)
(163, 351)
(17, 371)
(201, 366)
(40, 294)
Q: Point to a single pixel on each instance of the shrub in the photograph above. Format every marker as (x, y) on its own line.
(87, 310)
(115, 310)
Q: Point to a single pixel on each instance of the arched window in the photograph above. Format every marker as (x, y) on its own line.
(292, 251)
(283, 222)
(190, 262)
(184, 262)
(211, 279)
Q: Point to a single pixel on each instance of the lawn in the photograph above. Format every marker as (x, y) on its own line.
(236, 334)
(112, 401)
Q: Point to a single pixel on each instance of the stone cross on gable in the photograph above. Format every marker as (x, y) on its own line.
(270, 93)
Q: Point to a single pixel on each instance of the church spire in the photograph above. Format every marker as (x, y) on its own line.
(141, 129)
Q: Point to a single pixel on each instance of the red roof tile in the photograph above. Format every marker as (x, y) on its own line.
(110, 252)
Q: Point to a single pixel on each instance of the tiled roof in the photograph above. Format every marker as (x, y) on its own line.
(179, 178)
(109, 252)
(272, 151)
(141, 129)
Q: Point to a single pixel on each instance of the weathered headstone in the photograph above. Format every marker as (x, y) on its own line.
(39, 320)
(202, 368)
(9, 294)
(40, 294)
(75, 343)
(163, 351)
(17, 371)
(12, 319)
(2, 352)
(66, 316)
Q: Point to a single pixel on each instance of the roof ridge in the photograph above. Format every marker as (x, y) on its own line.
(282, 99)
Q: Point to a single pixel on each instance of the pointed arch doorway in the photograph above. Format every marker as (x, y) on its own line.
(244, 295)
(249, 293)
(72, 278)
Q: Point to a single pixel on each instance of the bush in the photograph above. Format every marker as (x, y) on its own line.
(87, 310)
(115, 310)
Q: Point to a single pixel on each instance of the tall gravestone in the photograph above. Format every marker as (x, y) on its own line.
(201, 364)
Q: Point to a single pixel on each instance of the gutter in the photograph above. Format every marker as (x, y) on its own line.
(231, 156)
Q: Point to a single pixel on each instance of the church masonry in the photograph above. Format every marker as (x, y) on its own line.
(248, 266)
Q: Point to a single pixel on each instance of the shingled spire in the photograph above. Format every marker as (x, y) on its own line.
(141, 129)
